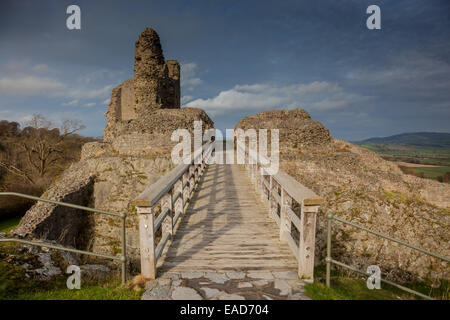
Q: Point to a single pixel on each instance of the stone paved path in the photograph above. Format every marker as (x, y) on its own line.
(257, 285)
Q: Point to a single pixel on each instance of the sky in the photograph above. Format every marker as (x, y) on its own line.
(237, 58)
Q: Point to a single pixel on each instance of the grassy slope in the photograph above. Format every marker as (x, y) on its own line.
(345, 288)
(15, 286)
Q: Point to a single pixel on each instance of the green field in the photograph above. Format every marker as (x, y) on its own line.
(416, 154)
(432, 172)
(411, 154)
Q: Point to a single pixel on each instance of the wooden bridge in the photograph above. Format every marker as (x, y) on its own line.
(221, 217)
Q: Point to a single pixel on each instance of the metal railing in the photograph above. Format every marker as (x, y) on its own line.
(121, 258)
(329, 260)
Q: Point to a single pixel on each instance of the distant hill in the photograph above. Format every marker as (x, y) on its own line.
(417, 139)
(417, 147)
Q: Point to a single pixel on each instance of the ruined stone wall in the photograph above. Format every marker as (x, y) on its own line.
(127, 101)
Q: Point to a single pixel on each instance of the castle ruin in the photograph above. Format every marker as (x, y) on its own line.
(134, 153)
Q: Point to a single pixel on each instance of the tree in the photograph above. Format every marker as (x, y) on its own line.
(41, 147)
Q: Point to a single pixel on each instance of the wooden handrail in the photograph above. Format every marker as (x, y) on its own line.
(280, 208)
(174, 187)
(157, 190)
(295, 189)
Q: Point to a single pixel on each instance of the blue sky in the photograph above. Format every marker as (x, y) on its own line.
(238, 58)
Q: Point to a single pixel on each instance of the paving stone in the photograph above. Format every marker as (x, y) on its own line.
(235, 275)
(244, 285)
(183, 293)
(176, 283)
(174, 276)
(216, 277)
(210, 292)
(283, 286)
(157, 293)
(296, 285)
(191, 275)
(149, 285)
(299, 296)
(260, 275)
(164, 282)
(227, 296)
(285, 275)
(260, 282)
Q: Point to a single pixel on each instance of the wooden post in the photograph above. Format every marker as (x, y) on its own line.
(147, 242)
(262, 186)
(274, 202)
(307, 241)
(285, 222)
(269, 195)
(191, 178)
(185, 188)
(179, 191)
(196, 173)
(167, 224)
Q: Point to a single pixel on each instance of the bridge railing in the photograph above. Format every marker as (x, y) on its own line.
(293, 206)
(171, 193)
(330, 260)
(122, 216)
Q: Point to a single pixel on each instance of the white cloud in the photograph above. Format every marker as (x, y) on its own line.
(86, 93)
(90, 104)
(23, 78)
(315, 95)
(28, 85)
(74, 102)
(189, 80)
(185, 99)
(106, 101)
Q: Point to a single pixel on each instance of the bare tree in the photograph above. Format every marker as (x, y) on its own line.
(42, 146)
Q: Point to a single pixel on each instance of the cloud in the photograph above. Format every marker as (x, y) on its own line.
(317, 95)
(90, 104)
(106, 101)
(25, 79)
(86, 93)
(186, 98)
(28, 85)
(40, 68)
(410, 74)
(189, 80)
(71, 103)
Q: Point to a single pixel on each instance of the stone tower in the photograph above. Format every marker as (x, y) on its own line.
(155, 86)
(156, 82)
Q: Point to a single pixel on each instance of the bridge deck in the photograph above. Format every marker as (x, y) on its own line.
(226, 227)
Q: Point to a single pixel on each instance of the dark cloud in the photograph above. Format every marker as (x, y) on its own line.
(390, 80)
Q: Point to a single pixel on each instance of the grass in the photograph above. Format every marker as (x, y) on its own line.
(9, 224)
(432, 172)
(342, 287)
(347, 289)
(110, 290)
(15, 286)
(413, 154)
